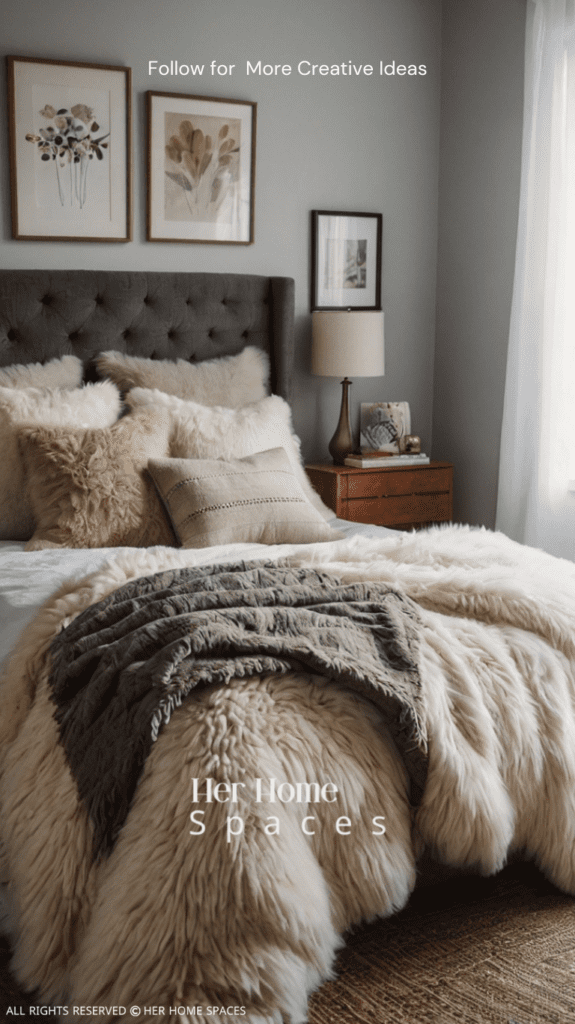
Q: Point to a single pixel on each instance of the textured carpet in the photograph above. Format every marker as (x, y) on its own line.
(467, 951)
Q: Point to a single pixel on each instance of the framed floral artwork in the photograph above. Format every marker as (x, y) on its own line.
(201, 169)
(345, 260)
(70, 150)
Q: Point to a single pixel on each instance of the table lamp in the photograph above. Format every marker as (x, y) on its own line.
(346, 342)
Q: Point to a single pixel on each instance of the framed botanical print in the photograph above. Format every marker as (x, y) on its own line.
(346, 260)
(201, 169)
(70, 150)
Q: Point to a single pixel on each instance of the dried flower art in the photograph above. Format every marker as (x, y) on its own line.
(201, 169)
(69, 140)
(207, 172)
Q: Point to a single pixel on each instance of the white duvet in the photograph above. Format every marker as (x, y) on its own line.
(28, 578)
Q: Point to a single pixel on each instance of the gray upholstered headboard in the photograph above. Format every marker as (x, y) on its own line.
(48, 313)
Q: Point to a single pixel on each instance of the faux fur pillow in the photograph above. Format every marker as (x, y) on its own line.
(203, 433)
(253, 500)
(231, 381)
(58, 373)
(96, 405)
(88, 487)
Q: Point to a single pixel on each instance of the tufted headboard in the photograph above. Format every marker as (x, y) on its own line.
(48, 313)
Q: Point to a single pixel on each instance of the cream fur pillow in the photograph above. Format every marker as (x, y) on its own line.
(253, 500)
(200, 432)
(95, 405)
(88, 488)
(231, 381)
(58, 373)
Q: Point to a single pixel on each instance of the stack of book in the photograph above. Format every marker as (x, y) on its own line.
(367, 459)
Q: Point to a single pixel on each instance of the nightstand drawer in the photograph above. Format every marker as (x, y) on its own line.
(397, 510)
(406, 496)
(404, 481)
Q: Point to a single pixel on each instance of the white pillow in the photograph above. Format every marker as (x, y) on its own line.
(231, 381)
(58, 373)
(95, 405)
(200, 432)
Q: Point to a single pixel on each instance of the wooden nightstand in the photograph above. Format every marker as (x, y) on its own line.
(402, 496)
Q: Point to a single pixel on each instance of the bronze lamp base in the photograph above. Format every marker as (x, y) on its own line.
(341, 443)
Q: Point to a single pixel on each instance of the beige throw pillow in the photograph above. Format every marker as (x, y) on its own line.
(88, 488)
(95, 405)
(231, 381)
(57, 373)
(217, 433)
(252, 500)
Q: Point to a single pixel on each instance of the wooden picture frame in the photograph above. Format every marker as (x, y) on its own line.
(201, 169)
(70, 141)
(345, 260)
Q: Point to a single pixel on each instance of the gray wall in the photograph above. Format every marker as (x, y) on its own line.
(481, 120)
(368, 144)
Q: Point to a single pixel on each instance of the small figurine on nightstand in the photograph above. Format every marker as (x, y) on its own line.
(411, 444)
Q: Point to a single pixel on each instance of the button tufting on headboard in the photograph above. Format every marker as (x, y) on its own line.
(44, 312)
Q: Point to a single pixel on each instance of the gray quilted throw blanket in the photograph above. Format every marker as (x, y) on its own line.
(123, 665)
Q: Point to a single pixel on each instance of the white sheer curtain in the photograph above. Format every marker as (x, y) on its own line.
(536, 496)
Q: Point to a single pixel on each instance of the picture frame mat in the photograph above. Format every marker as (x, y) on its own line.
(111, 221)
(329, 227)
(162, 103)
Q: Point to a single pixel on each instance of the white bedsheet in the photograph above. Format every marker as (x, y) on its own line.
(28, 578)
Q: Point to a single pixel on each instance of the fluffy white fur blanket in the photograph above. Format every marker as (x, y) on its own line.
(174, 919)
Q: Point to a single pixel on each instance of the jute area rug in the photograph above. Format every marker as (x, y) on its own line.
(465, 951)
(469, 951)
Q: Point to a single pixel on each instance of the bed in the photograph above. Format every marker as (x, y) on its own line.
(231, 724)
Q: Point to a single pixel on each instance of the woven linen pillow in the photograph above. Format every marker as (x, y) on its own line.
(57, 373)
(95, 405)
(217, 433)
(88, 488)
(253, 500)
(231, 381)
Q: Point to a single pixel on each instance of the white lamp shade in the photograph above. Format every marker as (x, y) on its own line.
(347, 344)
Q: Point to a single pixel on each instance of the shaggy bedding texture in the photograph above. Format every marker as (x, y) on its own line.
(61, 467)
(95, 405)
(232, 381)
(177, 916)
(125, 664)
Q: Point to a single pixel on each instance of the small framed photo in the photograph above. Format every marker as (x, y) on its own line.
(70, 150)
(345, 260)
(201, 169)
(384, 427)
